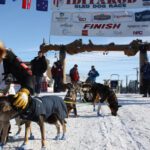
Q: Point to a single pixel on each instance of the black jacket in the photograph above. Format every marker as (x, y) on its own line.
(22, 74)
(38, 66)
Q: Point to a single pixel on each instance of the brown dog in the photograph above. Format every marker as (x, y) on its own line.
(102, 93)
(70, 99)
(4, 121)
(50, 109)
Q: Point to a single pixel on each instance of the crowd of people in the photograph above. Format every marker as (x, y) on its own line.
(31, 78)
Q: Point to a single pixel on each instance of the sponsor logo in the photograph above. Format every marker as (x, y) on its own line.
(137, 32)
(123, 16)
(102, 26)
(61, 17)
(138, 26)
(65, 32)
(102, 2)
(85, 32)
(142, 16)
(102, 17)
(81, 19)
(66, 25)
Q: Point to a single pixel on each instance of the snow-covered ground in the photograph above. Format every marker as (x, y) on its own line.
(130, 130)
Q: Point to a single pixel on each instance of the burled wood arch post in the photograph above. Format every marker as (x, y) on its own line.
(62, 58)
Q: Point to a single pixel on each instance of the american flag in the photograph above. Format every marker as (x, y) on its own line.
(56, 2)
(2, 1)
(42, 5)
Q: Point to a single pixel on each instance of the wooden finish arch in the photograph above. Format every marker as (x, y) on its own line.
(77, 46)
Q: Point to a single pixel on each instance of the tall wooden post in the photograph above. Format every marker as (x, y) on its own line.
(62, 56)
(143, 56)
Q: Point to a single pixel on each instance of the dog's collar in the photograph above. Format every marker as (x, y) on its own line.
(69, 102)
(68, 98)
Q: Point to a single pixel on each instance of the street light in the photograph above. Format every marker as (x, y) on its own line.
(127, 82)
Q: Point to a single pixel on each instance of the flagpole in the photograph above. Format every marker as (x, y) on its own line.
(50, 27)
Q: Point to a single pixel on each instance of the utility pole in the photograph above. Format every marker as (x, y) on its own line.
(126, 83)
(137, 78)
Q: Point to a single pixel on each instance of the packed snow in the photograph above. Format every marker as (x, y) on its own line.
(130, 130)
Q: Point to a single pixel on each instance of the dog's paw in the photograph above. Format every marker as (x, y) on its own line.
(63, 137)
(76, 116)
(44, 148)
(94, 109)
(1, 146)
(99, 115)
(31, 137)
(57, 137)
(15, 137)
(84, 101)
(25, 147)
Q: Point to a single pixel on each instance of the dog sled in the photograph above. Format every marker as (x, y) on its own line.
(114, 83)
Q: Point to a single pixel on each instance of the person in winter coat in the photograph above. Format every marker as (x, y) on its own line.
(11, 64)
(145, 70)
(93, 73)
(38, 67)
(57, 75)
(74, 74)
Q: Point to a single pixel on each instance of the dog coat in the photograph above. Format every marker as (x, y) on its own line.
(46, 105)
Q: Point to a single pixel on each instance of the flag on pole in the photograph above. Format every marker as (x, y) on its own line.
(26, 4)
(2, 1)
(56, 2)
(42, 5)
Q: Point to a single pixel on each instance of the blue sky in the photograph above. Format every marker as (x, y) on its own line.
(23, 31)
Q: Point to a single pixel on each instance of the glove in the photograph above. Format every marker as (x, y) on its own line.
(21, 98)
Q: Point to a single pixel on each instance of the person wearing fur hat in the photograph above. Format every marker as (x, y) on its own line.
(11, 64)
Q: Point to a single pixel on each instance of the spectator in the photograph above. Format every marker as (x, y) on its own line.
(145, 70)
(38, 67)
(74, 75)
(93, 73)
(57, 75)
